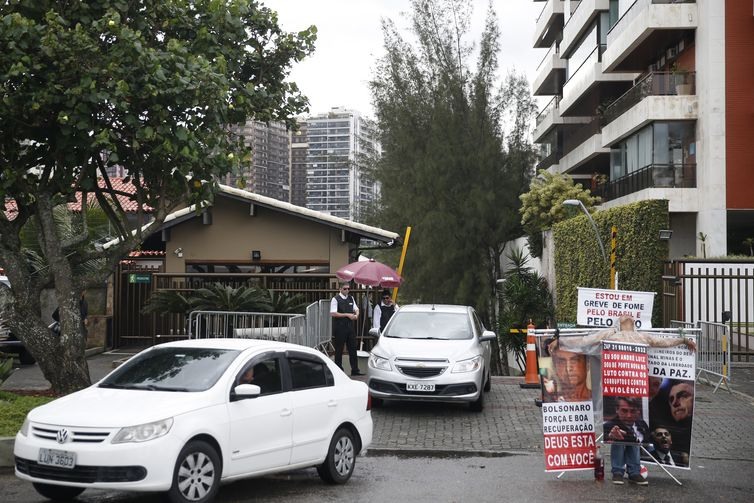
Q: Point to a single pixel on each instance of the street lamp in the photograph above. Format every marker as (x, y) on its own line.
(576, 202)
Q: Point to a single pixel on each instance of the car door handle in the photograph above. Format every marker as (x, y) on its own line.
(332, 403)
(285, 412)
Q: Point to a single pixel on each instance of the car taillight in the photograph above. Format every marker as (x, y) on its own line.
(369, 402)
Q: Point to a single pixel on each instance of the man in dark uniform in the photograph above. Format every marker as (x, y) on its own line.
(384, 311)
(344, 312)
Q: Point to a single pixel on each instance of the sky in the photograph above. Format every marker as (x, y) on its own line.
(349, 41)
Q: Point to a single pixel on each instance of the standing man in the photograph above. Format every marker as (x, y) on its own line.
(344, 312)
(384, 311)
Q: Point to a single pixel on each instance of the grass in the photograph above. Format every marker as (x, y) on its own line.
(13, 410)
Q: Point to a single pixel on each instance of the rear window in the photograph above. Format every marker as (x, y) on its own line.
(429, 325)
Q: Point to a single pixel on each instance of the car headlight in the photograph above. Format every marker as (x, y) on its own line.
(470, 365)
(143, 432)
(378, 362)
(25, 427)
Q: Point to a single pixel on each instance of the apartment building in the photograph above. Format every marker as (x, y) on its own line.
(268, 173)
(654, 99)
(336, 183)
(299, 144)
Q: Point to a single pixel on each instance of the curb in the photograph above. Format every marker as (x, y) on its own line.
(441, 453)
(6, 452)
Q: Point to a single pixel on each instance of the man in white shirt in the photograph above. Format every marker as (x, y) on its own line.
(384, 311)
(344, 312)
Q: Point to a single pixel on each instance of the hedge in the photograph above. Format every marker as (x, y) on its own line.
(639, 254)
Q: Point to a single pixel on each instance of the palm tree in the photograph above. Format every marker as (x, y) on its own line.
(220, 297)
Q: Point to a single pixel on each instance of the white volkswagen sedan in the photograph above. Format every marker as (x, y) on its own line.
(185, 416)
(434, 353)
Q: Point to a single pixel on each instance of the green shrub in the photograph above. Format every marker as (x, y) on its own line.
(13, 410)
(639, 254)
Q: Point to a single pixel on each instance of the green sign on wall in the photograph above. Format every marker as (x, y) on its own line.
(139, 278)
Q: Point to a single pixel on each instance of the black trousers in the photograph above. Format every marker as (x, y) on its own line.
(343, 336)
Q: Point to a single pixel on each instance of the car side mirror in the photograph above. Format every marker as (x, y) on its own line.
(487, 335)
(246, 391)
(374, 332)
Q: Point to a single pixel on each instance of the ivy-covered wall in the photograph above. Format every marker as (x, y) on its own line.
(639, 254)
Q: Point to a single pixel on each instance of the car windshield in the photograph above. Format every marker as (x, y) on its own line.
(429, 325)
(172, 369)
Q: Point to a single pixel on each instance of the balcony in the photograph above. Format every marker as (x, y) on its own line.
(580, 20)
(659, 96)
(588, 85)
(550, 73)
(550, 117)
(583, 150)
(654, 176)
(647, 25)
(550, 160)
(549, 24)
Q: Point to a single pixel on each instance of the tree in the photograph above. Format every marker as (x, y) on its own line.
(447, 168)
(542, 206)
(155, 86)
(524, 296)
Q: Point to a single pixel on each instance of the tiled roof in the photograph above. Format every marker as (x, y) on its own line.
(127, 198)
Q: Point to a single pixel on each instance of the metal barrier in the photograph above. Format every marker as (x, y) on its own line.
(312, 329)
(713, 353)
(271, 326)
(712, 350)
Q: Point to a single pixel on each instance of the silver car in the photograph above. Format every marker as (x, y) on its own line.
(435, 353)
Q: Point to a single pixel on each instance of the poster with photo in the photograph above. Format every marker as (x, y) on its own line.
(625, 393)
(567, 409)
(671, 405)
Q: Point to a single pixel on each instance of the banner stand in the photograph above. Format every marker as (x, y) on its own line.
(660, 465)
(648, 454)
(596, 441)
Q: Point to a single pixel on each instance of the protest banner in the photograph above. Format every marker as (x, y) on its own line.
(602, 308)
(625, 391)
(567, 410)
(671, 405)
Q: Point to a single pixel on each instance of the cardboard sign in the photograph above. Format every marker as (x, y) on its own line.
(602, 308)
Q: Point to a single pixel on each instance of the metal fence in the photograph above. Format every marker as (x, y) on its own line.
(715, 292)
(312, 329)
(271, 326)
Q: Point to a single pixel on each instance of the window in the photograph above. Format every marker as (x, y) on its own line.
(264, 373)
(308, 373)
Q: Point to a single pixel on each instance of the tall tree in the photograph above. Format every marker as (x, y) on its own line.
(155, 86)
(447, 168)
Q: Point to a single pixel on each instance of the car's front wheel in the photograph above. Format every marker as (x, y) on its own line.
(341, 458)
(478, 404)
(58, 493)
(196, 477)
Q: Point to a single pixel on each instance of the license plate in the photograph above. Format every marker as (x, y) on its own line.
(417, 386)
(53, 457)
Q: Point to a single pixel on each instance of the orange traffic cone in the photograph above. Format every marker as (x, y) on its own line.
(531, 380)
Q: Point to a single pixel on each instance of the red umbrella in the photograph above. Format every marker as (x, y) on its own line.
(370, 272)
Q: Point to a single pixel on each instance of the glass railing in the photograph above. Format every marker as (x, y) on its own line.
(652, 84)
(550, 160)
(593, 57)
(554, 49)
(653, 176)
(551, 105)
(582, 134)
(542, 11)
(635, 10)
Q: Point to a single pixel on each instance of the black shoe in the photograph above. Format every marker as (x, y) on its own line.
(618, 478)
(356, 373)
(638, 479)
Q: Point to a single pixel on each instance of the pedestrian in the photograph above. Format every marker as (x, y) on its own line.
(344, 312)
(384, 311)
(623, 457)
